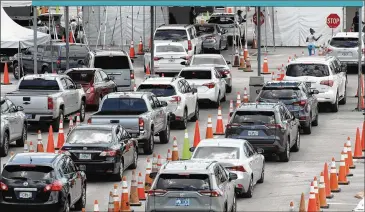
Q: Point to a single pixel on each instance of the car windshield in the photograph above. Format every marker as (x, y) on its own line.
(203, 30)
(212, 152)
(170, 48)
(39, 84)
(344, 42)
(280, 93)
(196, 74)
(158, 90)
(313, 70)
(254, 117)
(81, 77)
(27, 172)
(208, 60)
(171, 34)
(123, 106)
(89, 136)
(111, 62)
(183, 182)
(222, 20)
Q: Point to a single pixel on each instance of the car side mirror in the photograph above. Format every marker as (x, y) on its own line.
(230, 114)
(232, 176)
(78, 86)
(19, 108)
(153, 175)
(194, 90)
(228, 62)
(192, 149)
(314, 92)
(260, 151)
(183, 63)
(163, 103)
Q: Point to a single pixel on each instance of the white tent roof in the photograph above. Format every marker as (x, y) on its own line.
(13, 35)
(16, 3)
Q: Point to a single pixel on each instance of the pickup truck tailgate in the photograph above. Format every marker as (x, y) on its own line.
(129, 122)
(32, 103)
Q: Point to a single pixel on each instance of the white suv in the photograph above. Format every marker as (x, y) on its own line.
(184, 34)
(181, 98)
(325, 74)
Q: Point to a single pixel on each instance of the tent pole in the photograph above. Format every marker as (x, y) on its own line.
(273, 26)
(35, 67)
(67, 21)
(266, 14)
(50, 41)
(152, 15)
(144, 25)
(258, 41)
(359, 61)
(132, 24)
(121, 29)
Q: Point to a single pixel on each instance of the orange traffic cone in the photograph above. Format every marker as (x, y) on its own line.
(363, 136)
(245, 52)
(175, 150)
(159, 163)
(219, 126)
(312, 202)
(329, 195)
(148, 181)
(209, 131)
(238, 100)
(196, 134)
(254, 43)
(132, 54)
(358, 146)
(315, 184)
(236, 61)
(25, 148)
(148, 71)
(334, 178)
(78, 122)
(302, 204)
(230, 109)
(6, 80)
(169, 156)
(242, 62)
(31, 148)
(110, 203)
(140, 47)
(342, 179)
(282, 72)
(71, 124)
(141, 191)
(248, 65)
(154, 163)
(124, 201)
(61, 136)
(116, 198)
(265, 66)
(50, 144)
(134, 200)
(245, 96)
(96, 206)
(40, 142)
(346, 161)
(322, 192)
(70, 38)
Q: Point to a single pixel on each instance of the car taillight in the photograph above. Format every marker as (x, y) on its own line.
(90, 90)
(301, 103)
(210, 85)
(3, 186)
(226, 71)
(237, 168)
(132, 74)
(156, 192)
(176, 99)
(108, 153)
(141, 124)
(55, 186)
(327, 82)
(211, 193)
(277, 126)
(157, 58)
(190, 47)
(50, 103)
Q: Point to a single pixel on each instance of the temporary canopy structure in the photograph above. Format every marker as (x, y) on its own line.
(14, 36)
(16, 3)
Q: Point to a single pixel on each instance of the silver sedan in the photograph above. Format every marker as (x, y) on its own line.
(213, 37)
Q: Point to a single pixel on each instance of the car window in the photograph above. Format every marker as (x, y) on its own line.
(64, 83)
(221, 20)
(71, 166)
(64, 167)
(187, 86)
(217, 175)
(30, 173)
(250, 147)
(97, 77)
(111, 62)
(70, 84)
(280, 93)
(196, 74)
(11, 105)
(344, 42)
(224, 176)
(191, 33)
(253, 117)
(125, 134)
(75, 51)
(87, 60)
(208, 60)
(81, 77)
(103, 75)
(157, 103)
(248, 150)
(315, 70)
(40, 84)
(4, 107)
(182, 87)
(90, 136)
(213, 152)
(158, 90)
(183, 182)
(282, 114)
(171, 34)
(287, 113)
(123, 106)
(204, 29)
(152, 103)
(170, 48)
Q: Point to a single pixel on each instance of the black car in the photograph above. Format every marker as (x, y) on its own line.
(42, 182)
(102, 149)
(269, 126)
(298, 98)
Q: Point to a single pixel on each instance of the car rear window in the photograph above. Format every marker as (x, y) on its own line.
(39, 84)
(158, 90)
(280, 93)
(313, 70)
(183, 182)
(89, 136)
(208, 60)
(203, 30)
(123, 106)
(82, 77)
(212, 152)
(196, 74)
(345, 42)
(254, 117)
(171, 34)
(111, 62)
(27, 172)
(170, 48)
(221, 20)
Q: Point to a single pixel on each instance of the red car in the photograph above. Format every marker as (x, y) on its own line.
(95, 81)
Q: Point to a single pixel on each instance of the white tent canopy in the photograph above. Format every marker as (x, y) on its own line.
(14, 36)
(16, 3)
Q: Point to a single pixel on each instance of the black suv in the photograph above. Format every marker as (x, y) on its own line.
(42, 182)
(269, 126)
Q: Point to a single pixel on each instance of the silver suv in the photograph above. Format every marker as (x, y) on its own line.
(192, 186)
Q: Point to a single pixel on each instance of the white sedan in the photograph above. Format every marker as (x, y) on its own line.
(236, 155)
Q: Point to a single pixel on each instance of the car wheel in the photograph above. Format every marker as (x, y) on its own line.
(308, 129)
(249, 192)
(81, 203)
(285, 156)
(234, 204)
(165, 135)
(196, 113)
(334, 106)
(149, 145)
(296, 146)
(16, 71)
(135, 159)
(66, 206)
(82, 111)
(20, 141)
(228, 89)
(5, 147)
(262, 178)
(184, 122)
(315, 122)
(56, 122)
(343, 101)
(119, 176)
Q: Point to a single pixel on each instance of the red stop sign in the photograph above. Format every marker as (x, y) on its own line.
(262, 18)
(333, 20)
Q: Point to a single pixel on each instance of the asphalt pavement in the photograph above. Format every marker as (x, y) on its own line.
(284, 182)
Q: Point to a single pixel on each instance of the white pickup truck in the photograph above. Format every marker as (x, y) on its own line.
(49, 98)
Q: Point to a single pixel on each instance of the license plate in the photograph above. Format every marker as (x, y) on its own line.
(171, 60)
(182, 202)
(85, 156)
(346, 53)
(25, 195)
(253, 133)
(28, 116)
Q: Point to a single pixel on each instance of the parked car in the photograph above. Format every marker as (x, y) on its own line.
(140, 113)
(297, 97)
(167, 58)
(237, 156)
(269, 126)
(182, 100)
(95, 82)
(42, 182)
(192, 186)
(213, 37)
(209, 82)
(102, 149)
(49, 98)
(218, 62)
(14, 125)
(325, 74)
(116, 64)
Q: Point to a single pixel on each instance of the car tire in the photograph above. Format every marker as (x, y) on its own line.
(82, 111)
(135, 159)
(184, 123)
(4, 149)
(165, 135)
(234, 204)
(17, 73)
(20, 141)
(343, 100)
(229, 89)
(285, 156)
(249, 192)
(81, 203)
(315, 122)
(149, 144)
(296, 146)
(334, 107)
(66, 206)
(119, 176)
(308, 129)
(262, 178)
(56, 122)
(196, 113)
